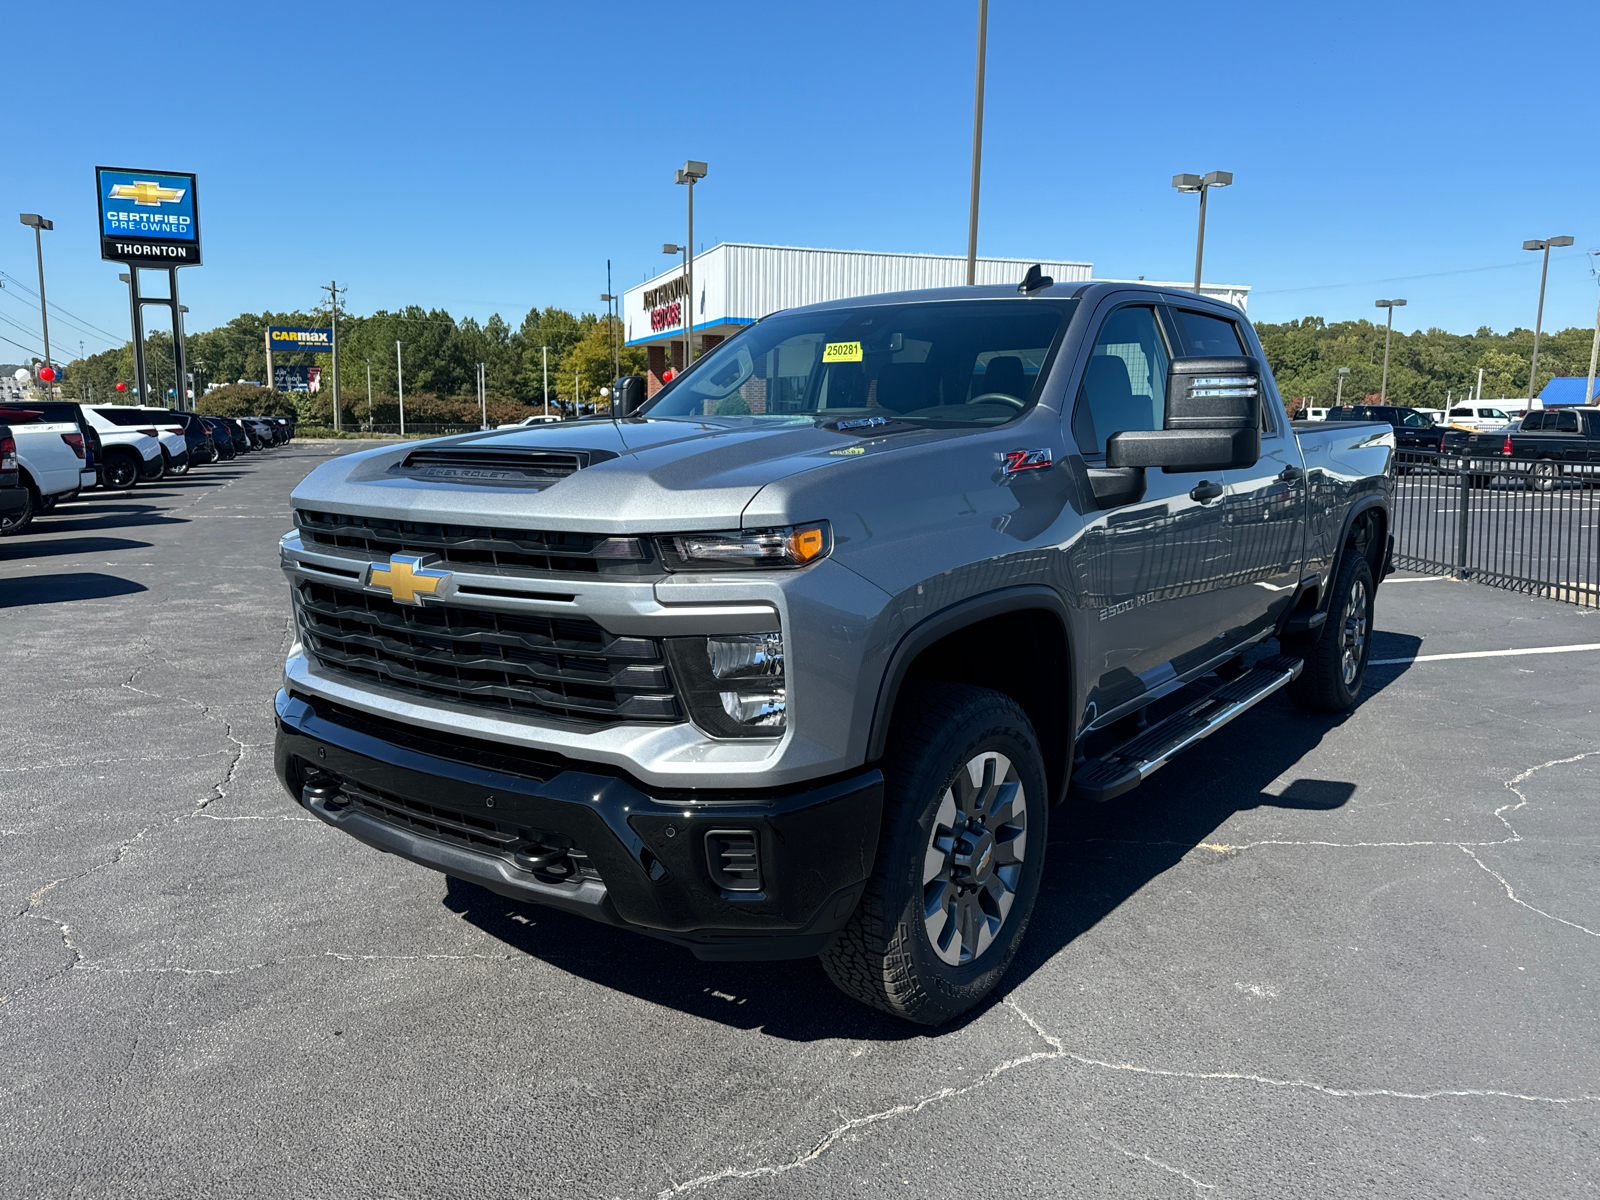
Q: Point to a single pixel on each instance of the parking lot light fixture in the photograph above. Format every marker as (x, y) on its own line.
(690, 173)
(1201, 184)
(1391, 305)
(38, 224)
(1543, 244)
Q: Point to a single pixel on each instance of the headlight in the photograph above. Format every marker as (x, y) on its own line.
(785, 546)
(734, 684)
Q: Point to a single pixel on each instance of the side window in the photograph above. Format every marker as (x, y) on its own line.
(1208, 335)
(1417, 421)
(1125, 384)
(1460, 412)
(1567, 422)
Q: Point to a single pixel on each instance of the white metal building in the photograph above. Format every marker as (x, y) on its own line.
(738, 284)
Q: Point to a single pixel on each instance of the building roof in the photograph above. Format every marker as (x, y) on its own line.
(1565, 389)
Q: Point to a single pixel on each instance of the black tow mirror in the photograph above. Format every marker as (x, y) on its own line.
(1213, 419)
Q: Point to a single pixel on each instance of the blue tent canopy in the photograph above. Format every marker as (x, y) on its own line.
(1564, 389)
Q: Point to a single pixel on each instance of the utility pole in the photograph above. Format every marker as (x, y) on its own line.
(400, 386)
(1538, 322)
(1391, 305)
(1594, 358)
(333, 289)
(977, 143)
(575, 394)
(545, 352)
(483, 399)
(39, 224)
(1479, 395)
(369, 389)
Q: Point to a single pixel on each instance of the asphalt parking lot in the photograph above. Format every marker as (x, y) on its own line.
(1314, 957)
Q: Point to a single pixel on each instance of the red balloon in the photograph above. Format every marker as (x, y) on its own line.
(47, 374)
(666, 376)
(122, 387)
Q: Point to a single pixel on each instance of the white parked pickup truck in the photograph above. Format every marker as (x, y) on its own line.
(50, 462)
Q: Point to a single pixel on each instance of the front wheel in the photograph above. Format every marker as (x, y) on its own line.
(1336, 665)
(959, 860)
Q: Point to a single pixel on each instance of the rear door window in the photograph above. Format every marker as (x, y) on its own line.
(1567, 422)
(1124, 385)
(1208, 335)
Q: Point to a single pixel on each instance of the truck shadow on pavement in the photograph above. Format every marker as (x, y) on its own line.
(1099, 856)
(105, 516)
(60, 589)
(13, 550)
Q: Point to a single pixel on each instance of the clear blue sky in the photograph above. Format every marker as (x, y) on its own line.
(491, 157)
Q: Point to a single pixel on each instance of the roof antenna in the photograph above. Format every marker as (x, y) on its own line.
(1035, 280)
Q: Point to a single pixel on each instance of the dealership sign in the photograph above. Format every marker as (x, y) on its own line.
(668, 316)
(148, 218)
(282, 337)
(297, 379)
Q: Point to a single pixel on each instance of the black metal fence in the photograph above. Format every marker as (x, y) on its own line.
(1527, 526)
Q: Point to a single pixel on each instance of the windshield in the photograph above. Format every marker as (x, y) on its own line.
(951, 362)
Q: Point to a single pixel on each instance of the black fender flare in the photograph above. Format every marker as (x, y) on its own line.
(1365, 504)
(950, 620)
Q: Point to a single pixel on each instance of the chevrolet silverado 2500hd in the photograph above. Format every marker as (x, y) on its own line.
(796, 661)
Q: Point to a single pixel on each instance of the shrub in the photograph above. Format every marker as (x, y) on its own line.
(245, 400)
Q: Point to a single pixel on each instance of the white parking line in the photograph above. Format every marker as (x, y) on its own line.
(1418, 579)
(1390, 662)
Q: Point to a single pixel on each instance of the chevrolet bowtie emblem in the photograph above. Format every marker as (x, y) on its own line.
(146, 192)
(406, 579)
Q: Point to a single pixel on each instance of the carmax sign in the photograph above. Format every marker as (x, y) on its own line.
(282, 337)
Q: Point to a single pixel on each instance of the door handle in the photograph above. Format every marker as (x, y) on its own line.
(1206, 490)
(1291, 474)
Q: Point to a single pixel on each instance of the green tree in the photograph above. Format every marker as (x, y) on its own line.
(592, 359)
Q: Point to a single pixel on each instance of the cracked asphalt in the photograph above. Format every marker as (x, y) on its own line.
(1313, 957)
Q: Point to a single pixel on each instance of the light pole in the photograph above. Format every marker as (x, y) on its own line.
(669, 248)
(1536, 244)
(1391, 305)
(977, 143)
(545, 352)
(611, 315)
(400, 386)
(1195, 183)
(368, 361)
(689, 173)
(1339, 399)
(483, 397)
(38, 224)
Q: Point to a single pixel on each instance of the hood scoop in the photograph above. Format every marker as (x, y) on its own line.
(501, 467)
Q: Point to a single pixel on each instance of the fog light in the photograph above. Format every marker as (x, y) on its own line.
(748, 656)
(764, 709)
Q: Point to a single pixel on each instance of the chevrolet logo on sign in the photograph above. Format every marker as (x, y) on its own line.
(406, 579)
(146, 193)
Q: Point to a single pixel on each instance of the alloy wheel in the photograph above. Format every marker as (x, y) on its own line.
(973, 862)
(1353, 636)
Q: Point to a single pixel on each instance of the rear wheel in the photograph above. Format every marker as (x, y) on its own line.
(1336, 665)
(121, 471)
(1545, 477)
(18, 521)
(959, 860)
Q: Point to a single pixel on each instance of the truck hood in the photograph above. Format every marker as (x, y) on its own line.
(646, 475)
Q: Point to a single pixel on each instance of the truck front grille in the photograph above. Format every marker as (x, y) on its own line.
(514, 552)
(527, 664)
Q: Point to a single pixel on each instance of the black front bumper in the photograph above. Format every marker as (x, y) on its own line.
(467, 808)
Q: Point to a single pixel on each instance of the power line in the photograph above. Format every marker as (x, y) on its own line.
(1323, 287)
(20, 346)
(76, 327)
(70, 315)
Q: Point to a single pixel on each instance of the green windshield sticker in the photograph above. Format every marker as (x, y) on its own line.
(841, 352)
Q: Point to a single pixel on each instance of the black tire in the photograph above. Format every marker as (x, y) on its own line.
(18, 521)
(120, 472)
(887, 956)
(1545, 476)
(1336, 664)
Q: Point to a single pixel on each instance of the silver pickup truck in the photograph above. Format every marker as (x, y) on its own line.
(798, 659)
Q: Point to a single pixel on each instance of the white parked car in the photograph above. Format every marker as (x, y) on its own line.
(51, 463)
(1480, 416)
(536, 419)
(153, 422)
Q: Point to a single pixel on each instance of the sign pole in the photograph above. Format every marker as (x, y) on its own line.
(178, 366)
(137, 307)
(266, 338)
